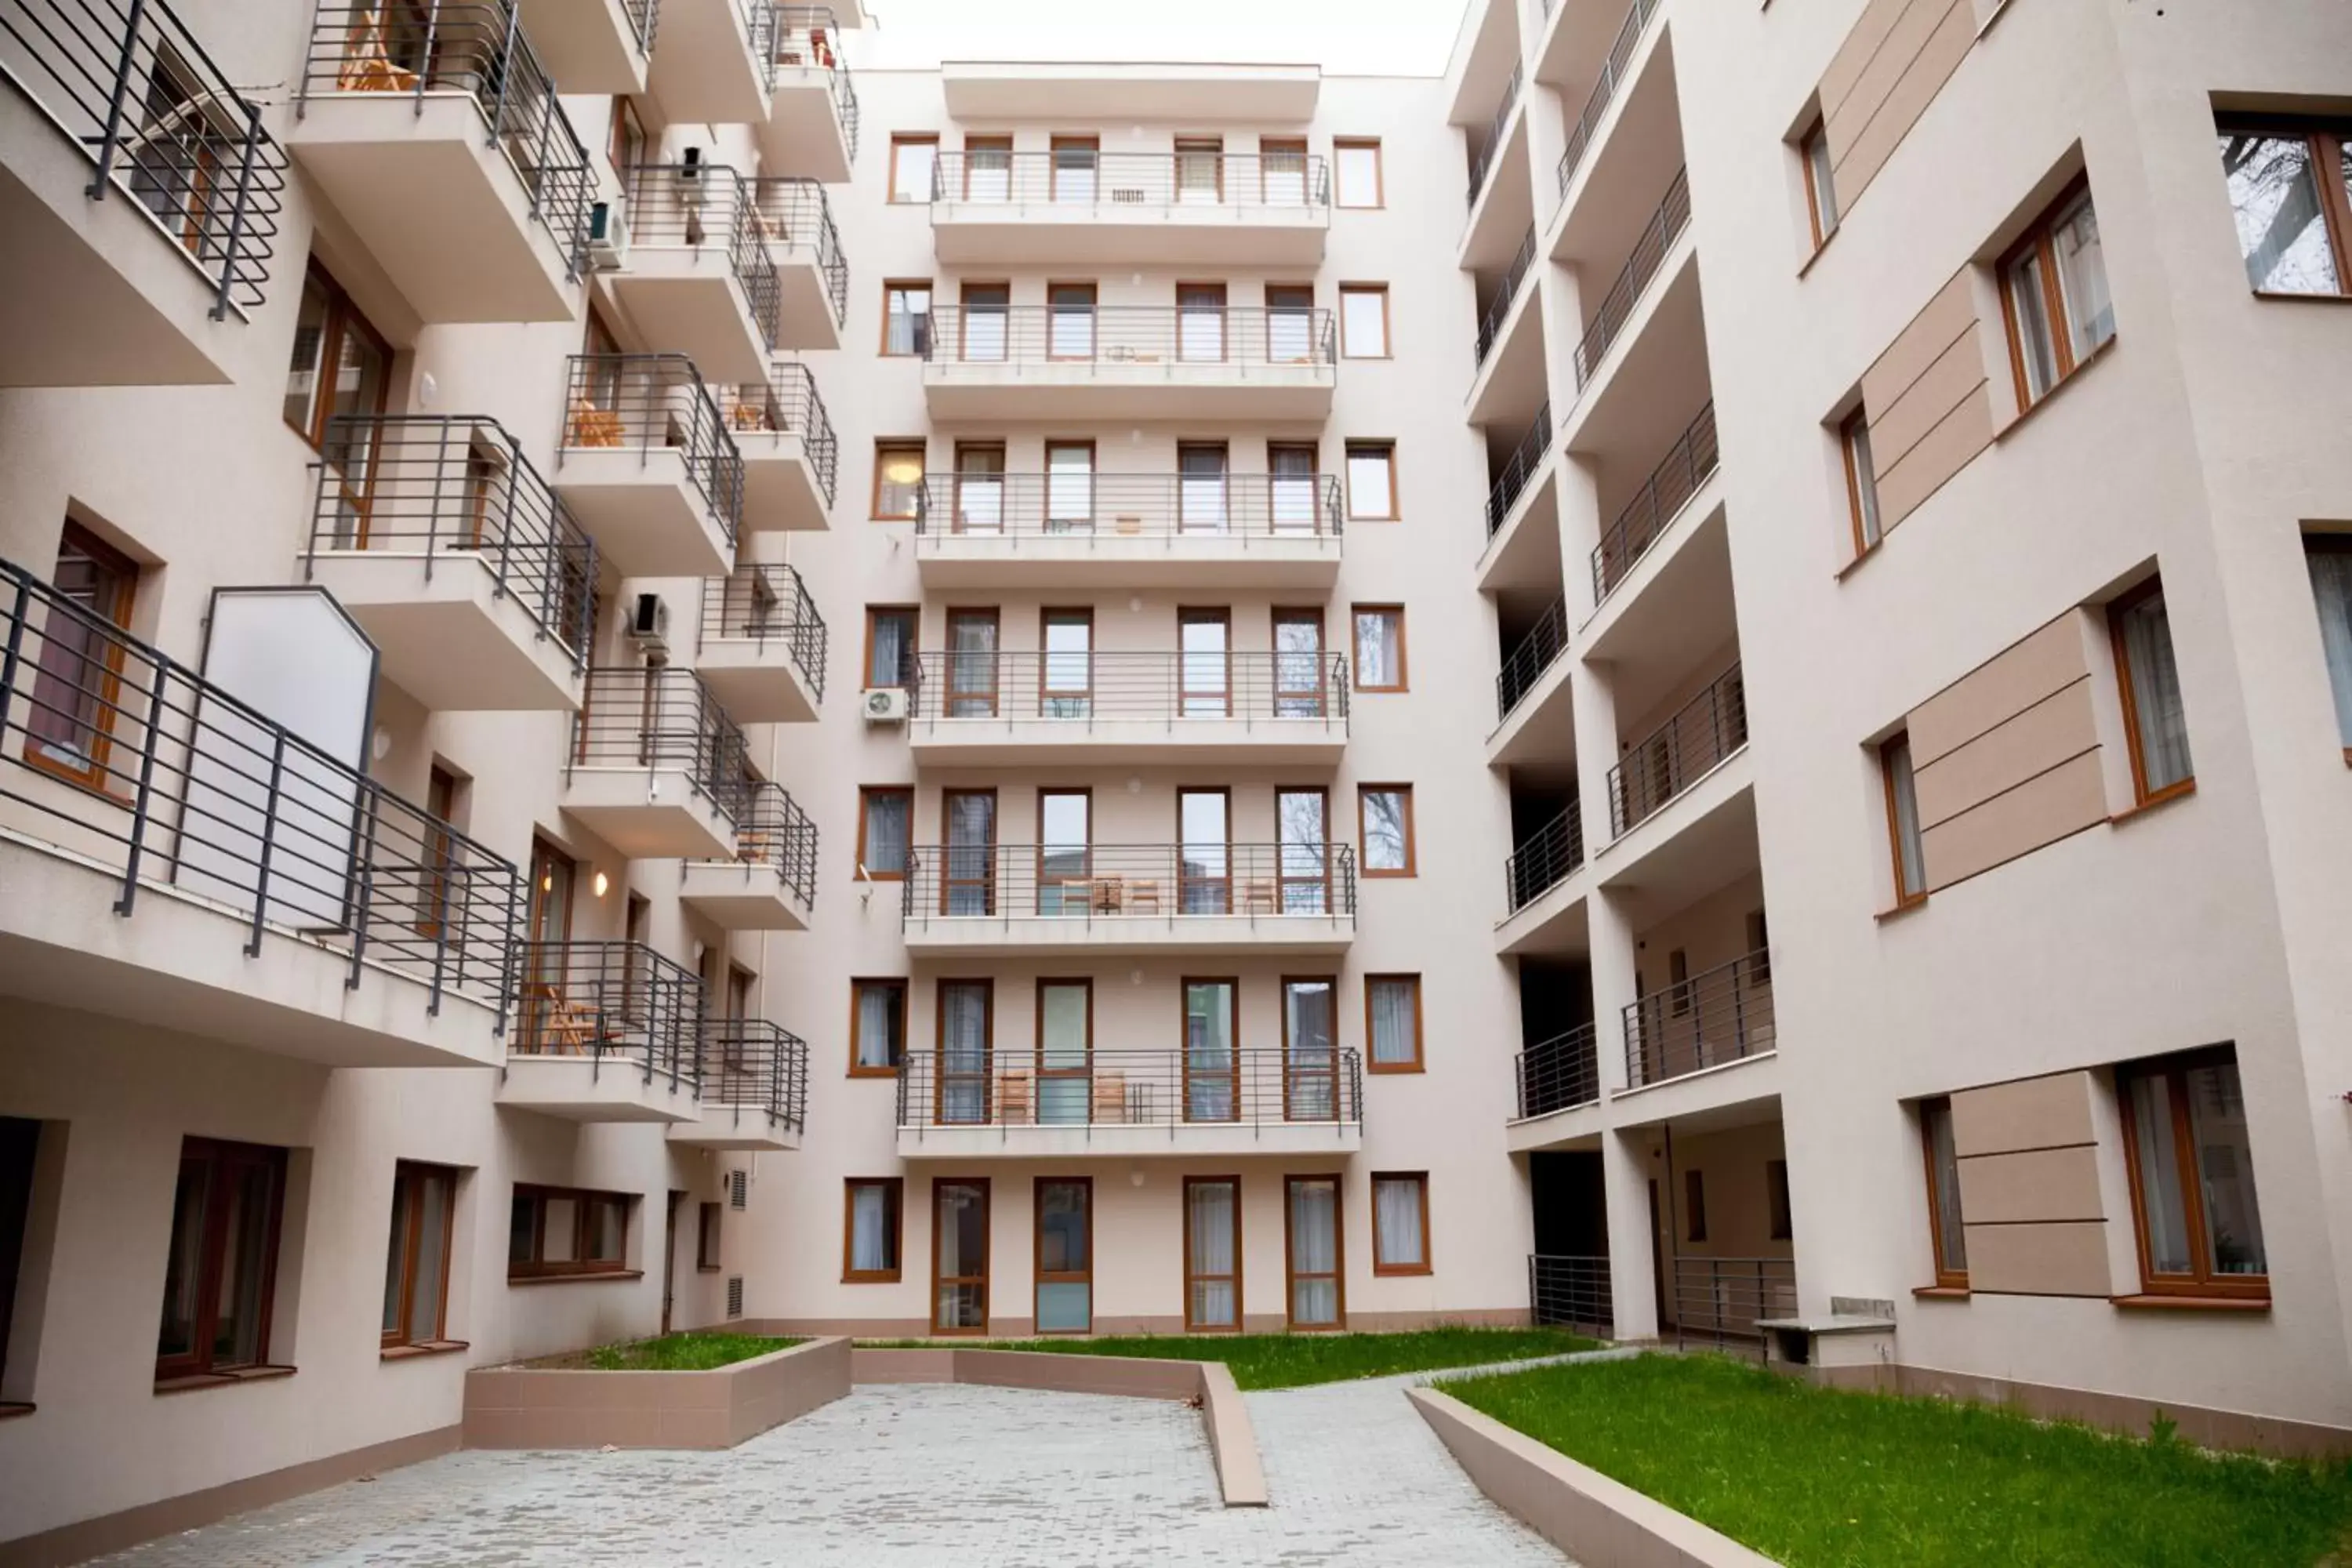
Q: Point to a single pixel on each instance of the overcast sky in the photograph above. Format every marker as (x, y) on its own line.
(1346, 37)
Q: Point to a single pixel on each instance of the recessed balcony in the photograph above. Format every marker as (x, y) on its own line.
(761, 645)
(656, 765)
(438, 137)
(811, 126)
(599, 47)
(1658, 254)
(1691, 745)
(1559, 1074)
(714, 62)
(769, 883)
(696, 277)
(1080, 206)
(174, 859)
(1012, 708)
(138, 201)
(793, 219)
(1008, 900)
(1534, 701)
(1507, 382)
(1020, 1102)
(1130, 362)
(1522, 553)
(754, 1087)
(647, 467)
(1084, 529)
(440, 539)
(1712, 1019)
(790, 457)
(1545, 896)
(604, 1031)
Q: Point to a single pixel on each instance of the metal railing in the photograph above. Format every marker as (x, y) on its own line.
(774, 836)
(1490, 326)
(1718, 1301)
(1205, 1086)
(146, 770)
(808, 35)
(1688, 464)
(1570, 1292)
(793, 211)
(1114, 883)
(786, 403)
(1657, 237)
(698, 206)
(764, 602)
(1619, 59)
(455, 490)
(1517, 469)
(159, 121)
(1544, 858)
(1560, 1074)
(1671, 757)
(655, 402)
(752, 1067)
(1080, 687)
(1482, 156)
(1086, 504)
(1087, 177)
(1538, 651)
(653, 717)
(1238, 337)
(476, 47)
(617, 1002)
(1720, 1014)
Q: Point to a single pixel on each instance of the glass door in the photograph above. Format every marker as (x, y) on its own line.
(1065, 1079)
(1212, 1066)
(1291, 490)
(987, 307)
(979, 488)
(1201, 321)
(1311, 1221)
(1075, 160)
(959, 1256)
(1200, 481)
(972, 664)
(1065, 852)
(1070, 309)
(961, 1063)
(1205, 638)
(1303, 851)
(544, 1016)
(1297, 664)
(1282, 168)
(987, 168)
(1200, 170)
(1066, 1269)
(1311, 1050)
(1204, 852)
(1066, 690)
(1212, 1253)
(1069, 487)
(1289, 323)
(969, 886)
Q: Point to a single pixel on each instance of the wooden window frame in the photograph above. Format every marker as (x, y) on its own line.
(891, 286)
(1341, 145)
(1339, 1275)
(585, 1203)
(1061, 906)
(894, 1219)
(2321, 541)
(408, 1179)
(1386, 450)
(709, 1230)
(1388, 326)
(1274, 451)
(1816, 136)
(1694, 1205)
(986, 986)
(1364, 843)
(2038, 240)
(1272, 147)
(1780, 1207)
(1418, 1061)
(342, 316)
(858, 986)
(1906, 895)
(1356, 613)
(1039, 1278)
(2141, 794)
(1204, 616)
(985, 1277)
(1198, 145)
(970, 463)
(1232, 1077)
(884, 449)
(106, 701)
(2202, 1281)
(910, 139)
(1946, 1278)
(1046, 521)
(866, 654)
(1277, 618)
(1292, 1057)
(1223, 881)
(1054, 147)
(952, 660)
(989, 143)
(1054, 310)
(1381, 1265)
(1861, 490)
(624, 117)
(866, 794)
(1191, 1274)
(1292, 299)
(1283, 880)
(2330, 144)
(1185, 477)
(1002, 308)
(1224, 315)
(990, 877)
(223, 1159)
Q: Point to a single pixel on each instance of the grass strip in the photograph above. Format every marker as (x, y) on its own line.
(1294, 1361)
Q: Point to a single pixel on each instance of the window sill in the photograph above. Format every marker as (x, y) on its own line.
(422, 1347)
(1419, 1270)
(585, 1277)
(1807, 265)
(1907, 907)
(193, 1380)
(2069, 379)
(1385, 1068)
(1868, 553)
(884, 1073)
(9, 1412)
(2191, 1303)
(890, 1278)
(1939, 1293)
(708, 1269)
(2293, 297)
(2154, 802)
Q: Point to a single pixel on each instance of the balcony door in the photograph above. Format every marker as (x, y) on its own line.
(1282, 170)
(1069, 487)
(1075, 160)
(972, 664)
(960, 1256)
(1205, 638)
(969, 884)
(1212, 1253)
(1066, 680)
(1303, 852)
(1289, 323)
(1200, 170)
(1200, 486)
(1311, 1238)
(1291, 488)
(1065, 1245)
(960, 1064)
(1211, 1061)
(1204, 852)
(1070, 320)
(1067, 1081)
(1065, 852)
(987, 309)
(1200, 323)
(1311, 1050)
(551, 929)
(979, 488)
(987, 168)
(1298, 664)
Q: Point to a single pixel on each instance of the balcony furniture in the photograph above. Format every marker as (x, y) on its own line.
(1257, 898)
(1109, 1097)
(1013, 1099)
(367, 67)
(1143, 897)
(593, 426)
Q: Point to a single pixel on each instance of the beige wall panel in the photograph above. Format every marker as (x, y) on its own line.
(1860, 47)
(2002, 687)
(2056, 729)
(1922, 76)
(1936, 328)
(2040, 1259)
(2067, 799)
(2049, 1113)
(1897, 426)
(2035, 1185)
(1944, 451)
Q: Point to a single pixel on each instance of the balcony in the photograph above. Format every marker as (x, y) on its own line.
(1507, 377)
(1013, 709)
(1486, 147)
(786, 438)
(793, 220)
(1620, 312)
(1534, 701)
(1615, 70)
(1091, 530)
(437, 536)
(1547, 916)
(1026, 1103)
(173, 857)
(811, 126)
(754, 1087)
(1714, 1018)
(136, 236)
(1522, 551)
(1562, 1073)
(1644, 519)
(1129, 361)
(437, 135)
(1081, 206)
(697, 277)
(715, 62)
(770, 882)
(657, 766)
(1007, 899)
(647, 466)
(759, 647)
(605, 1031)
(1688, 746)
(595, 46)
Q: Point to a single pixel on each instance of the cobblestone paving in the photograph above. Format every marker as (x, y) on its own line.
(917, 1476)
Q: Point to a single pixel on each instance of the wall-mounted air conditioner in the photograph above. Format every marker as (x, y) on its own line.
(886, 705)
(649, 625)
(608, 237)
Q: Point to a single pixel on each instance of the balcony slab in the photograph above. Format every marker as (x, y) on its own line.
(447, 634)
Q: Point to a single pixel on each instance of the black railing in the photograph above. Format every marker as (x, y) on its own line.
(1085, 504)
(1538, 651)
(792, 212)
(1570, 1292)
(1672, 482)
(774, 838)
(1498, 309)
(656, 402)
(657, 716)
(1720, 1014)
(809, 35)
(1483, 151)
(752, 1068)
(1673, 756)
(612, 1002)
(476, 47)
(1079, 688)
(1113, 883)
(1517, 469)
(1560, 1074)
(145, 769)
(1657, 237)
(1203, 1086)
(708, 206)
(1544, 858)
(159, 121)
(456, 490)
(1133, 181)
(1718, 1301)
(786, 403)
(1613, 75)
(1237, 337)
(766, 602)
(642, 17)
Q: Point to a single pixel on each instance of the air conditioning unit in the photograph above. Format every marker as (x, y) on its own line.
(649, 625)
(608, 238)
(886, 705)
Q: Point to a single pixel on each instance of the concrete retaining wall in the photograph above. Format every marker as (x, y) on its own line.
(526, 1407)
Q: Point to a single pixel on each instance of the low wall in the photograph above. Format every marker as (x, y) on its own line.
(546, 1407)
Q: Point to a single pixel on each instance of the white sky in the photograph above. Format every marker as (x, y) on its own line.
(1346, 37)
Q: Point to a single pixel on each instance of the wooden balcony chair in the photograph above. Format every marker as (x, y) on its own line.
(1143, 896)
(1014, 1105)
(592, 426)
(1108, 894)
(752, 844)
(1109, 1099)
(367, 67)
(1258, 899)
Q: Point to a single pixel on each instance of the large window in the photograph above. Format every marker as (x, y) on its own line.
(1945, 1231)
(2054, 289)
(340, 365)
(1902, 821)
(885, 817)
(1379, 648)
(20, 1143)
(1212, 1253)
(2153, 714)
(1371, 481)
(870, 1229)
(1384, 824)
(1065, 1249)
(891, 632)
(906, 319)
(2290, 188)
(222, 1271)
(912, 160)
(2329, 557)
(878, 1028)
(1392, 1022)
(416, 1259)
(960, 1255)
(1401, 1222)
(561, 1232)
(1364, 321)
(1861, 480)
(1357, 163)
(77, 673)
(1310, 1212)
(897, 480)
(2192, 1177)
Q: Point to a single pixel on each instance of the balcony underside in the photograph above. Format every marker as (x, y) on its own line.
(1018, 742)
(1555, 923)
(1701, 840)
(781, 492)
(1539, 731)
(1115, 1141)
(1579, 1127)
(643, 513)
(982, 936)
(756, 683)
(736, 895)
(804, 318)
(801, 134)
(448, 637)
(587, 1087)
(1049, 233)
(1672, 609)
(685, 299)
(1506, 390)
(588, 46)
(1105, 558)
(649, 813)
(1643, 392)
(1523, 556)
(1129, 389)
(740, 1126)
(704, 69)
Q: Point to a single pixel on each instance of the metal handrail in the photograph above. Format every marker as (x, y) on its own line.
(1088, 177)
(1545, 858)
(1657, 237)
(1482, 159)
(793, 211)
(1560, 1074)
(1687, 465)
(1490, 326)
(752, 1066)
(609, 1001)
(1717, 1016)
(1004, 1085)
(1570, 1292)
(1122, 883)
(786, 403)
(1154, 506)
(655, 402)
(708, 206)
(1240, 337)
(158, 121)
(1538, 651)
(1671, 757)
(653, 717)
(765, 601)
(1079, 687)
(1718, 1301)
(774, 836)
(1517, 469)
(805, 35)
(1613, 66)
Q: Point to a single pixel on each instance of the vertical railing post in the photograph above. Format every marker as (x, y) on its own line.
(142, 802)
(111, 134)
(236, 213)
(425, 67)
(367, 888)
(268, 839)
(505, 530)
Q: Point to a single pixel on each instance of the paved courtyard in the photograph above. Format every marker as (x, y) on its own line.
(908, 1477)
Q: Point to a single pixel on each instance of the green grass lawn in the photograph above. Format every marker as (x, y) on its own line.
(675, 1352)
(1819, 1478)
(1290, 1361)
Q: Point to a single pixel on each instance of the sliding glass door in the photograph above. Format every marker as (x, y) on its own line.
(1066, 1261)
(961, 1061)
(960, 1256)
(1065, 1051)
(1311, 1227)
(1212, 1253)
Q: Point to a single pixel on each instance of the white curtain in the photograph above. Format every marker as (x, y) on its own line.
(1315, 1249)
(2156, 694)
(869, 1228)
(1396, 1212)
(876, 1010)
(1212, 1226)
(1394, 1024)
(2331, 585)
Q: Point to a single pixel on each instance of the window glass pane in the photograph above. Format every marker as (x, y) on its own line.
(1910, 855)
(2225, 1170)
(1071, 307)
(899, 489)
(608, 1223)
(1315, 1251)
(2281, 228)
(872, 1245)
(891, 656)
(302, 367)
(2331, 588)
(987, 171)
(1062, 1228)
(1069, 488)
(521, 1219)
(1952, 1244)
(1824, 187)
(560, 1234)
(1304, 854)
(1074, 173)
(886, 832)
(184, 1266)
(251, 1190)
(2034, 345)
(2083, 279)
(434, 1196)
(1359, 174)
(1396, 1218)
(910, 170)
(2163, 726)
(1210, 1211)
(878, 1024)
(1395, 1022)
(1378, 652)
(1310, 1032)
(1364, 323)
(2159, 1160)
(909, 319)
(1369, 493)
(1210, 1089)
(1384, 832)
(1862, 473)
(397, 1256)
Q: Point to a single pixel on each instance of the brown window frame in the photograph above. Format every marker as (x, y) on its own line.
(1363, 843)
(2202, 1281)
(1816, 137)
(1861, 483)
(874, 613)
(1946, 1279)
(866, 795)
(2038, 239)
(955, 660)
(223, 1160)
(1381, 1265)
(1054, 310)
(1694, 1205)
(1388, 323)
(1192, 1275)
(1195, 146)
(1418, 1061)
(586, 1203)
(985, 1278)
(910, 139)
(2141, 794)
(989, 1111)
(1906, 895)
(710, 1222)
(894, 1219)
(989, 143)
(895, 286)
(342, 316)
(1223, 312)
(2315, 543)
(1355, 613)
(1338, 1272)
(618, 143)
(1060, 903)
(1048, 617)
(858, 986)
(1295, 1058)
(1054, 147)
(1205, 616)
(408, 1213)
(1039, 1278)
(95, 711)
(1217, 891)
(991, 874)
(900, 446)
(2330, 145)
(1385, 450)
(1379, 177)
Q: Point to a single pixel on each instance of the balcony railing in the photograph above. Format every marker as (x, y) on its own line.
(1718, 1301)
(1241, 338)
(1720, 1014)
(1672, 483)
(1560, 1074)
(1084, 177)
(1544, 860)
(476, 47)
(766, 602)
(656, 403)
(1482, 156)
(786, 403)
(1490, 326)
(789, 210)
(773, 835)
(1078, 687)
(754, 1067)
(1517, 469)
(1107, 883)
(1657, 237)
(1570, 1292)
(1613, 68)
(145, 770)
(1538, 651)
(1203, 1086)
(1673, 756)
(615, 1003)
(159, 122)
(457, 489)
(654, 717)
(808, 35)
(1083, 505)
(700, 205)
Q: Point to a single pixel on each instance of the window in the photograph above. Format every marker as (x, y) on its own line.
(1069, 487)
(984, 328)
(1903, 822)
(340, 365)
(1282, 170)
(913, 160)
(1776, 1200)
(1861, 480)
(1950, 1241)
(2291, 189)
(709, 1221)
(1310, 1213)
(556, 1232)
(1364, 321)
(1293, 490)
(884, 819)
(2329, 558)
(897, 480)
(1694, 1206)
(1065, 1249)
(1069, 320)
(625, 139)
(1290, 337)
(1392, 1022)
(878, 1028)
(1199, 170)
(2150, 682)
(891, 632)
(987, 168)
(1073, 163)
(1372, 480)
(871, 1217)
(1678, 992)
(1299, 667)
(1358, 165)
(221, 1270)
(416, 1262)
(20, 1143)
(1379, 648)
(1199, 322)
(1401, 1223)
(2192, 1177)
(1212, 1253)
(1821, 191)
(1067, 685)
(960, 1255)
(2054, 291)
(906, 319)
(1760, 949)
(77, 673)
(1384, 824)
